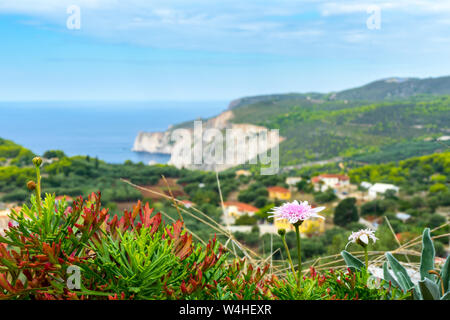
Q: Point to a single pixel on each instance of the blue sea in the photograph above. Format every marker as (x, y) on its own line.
(99, 129)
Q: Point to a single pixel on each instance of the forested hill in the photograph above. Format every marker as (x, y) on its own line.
(317, 130)
(386, 120)
(385, 89)
(397, 88)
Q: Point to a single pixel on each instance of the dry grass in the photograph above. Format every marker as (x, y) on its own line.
(280, 267)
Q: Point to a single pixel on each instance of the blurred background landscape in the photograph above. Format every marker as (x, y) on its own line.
(360, 93)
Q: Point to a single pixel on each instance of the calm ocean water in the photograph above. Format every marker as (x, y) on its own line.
(104, 130)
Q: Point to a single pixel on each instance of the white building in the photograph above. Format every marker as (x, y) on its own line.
(443, 138)
(333, 181)
(292, 181)
(263, 228)
(380, 189)
(403, 216)
(366, 185)
(235, 209)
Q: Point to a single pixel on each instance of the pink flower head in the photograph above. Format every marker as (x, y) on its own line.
(295, 212)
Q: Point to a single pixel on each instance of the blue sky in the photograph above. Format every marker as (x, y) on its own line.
(213, 50)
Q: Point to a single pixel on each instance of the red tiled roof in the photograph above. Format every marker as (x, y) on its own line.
(341, 177)
(241, 206)
(277, 189)
(315, 180)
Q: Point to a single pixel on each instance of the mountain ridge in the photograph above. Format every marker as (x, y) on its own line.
(387, 88)
(316, 126)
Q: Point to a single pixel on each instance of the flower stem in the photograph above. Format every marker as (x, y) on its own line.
(283, 238)
(367, 258)
(299, 277)
(38, 189)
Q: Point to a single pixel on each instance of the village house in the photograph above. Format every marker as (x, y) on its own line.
(380, 189)
(365, 185)
(237, 209)
(279, 193)
(324, 182)
(403, 216)
(292, 181)
(443, 138)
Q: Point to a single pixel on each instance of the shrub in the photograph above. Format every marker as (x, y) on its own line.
(346, 212)
(246, 220)
(324, 197)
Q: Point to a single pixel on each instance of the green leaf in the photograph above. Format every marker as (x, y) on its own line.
(417, 295)
(446, 296)
(429, 290)
(427, 258)
(400, 272)
(388, 276)
(351, 261)
(445, 274)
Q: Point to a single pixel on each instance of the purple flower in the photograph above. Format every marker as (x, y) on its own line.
(295, 212)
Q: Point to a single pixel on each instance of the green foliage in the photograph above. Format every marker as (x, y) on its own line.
(334, 285)
(253, 192)
(361, 131)
(376, 207)
(346, 212)
(325, 197)
(433, 285)
(264, 212)
(438, 187)
(15, 196)
(139, 257)
(352, 262)
(304, 186)
(17, 155)
(246, 220)
(407, 173)
(54, 154)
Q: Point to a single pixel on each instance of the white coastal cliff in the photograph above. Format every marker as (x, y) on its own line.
(254, 143)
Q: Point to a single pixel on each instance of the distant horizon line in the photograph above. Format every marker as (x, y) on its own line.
(228, 100)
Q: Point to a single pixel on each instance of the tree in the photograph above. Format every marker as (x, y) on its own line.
(304, 186)
(438, 187)
(260, 201)
(206, 196)
(346, 212)
(246, 220)
(324, 197)
(54, 154)
(264, 213)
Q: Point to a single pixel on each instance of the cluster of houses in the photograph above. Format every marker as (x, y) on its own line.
(235, 209)
(339, 183)
(232, 210)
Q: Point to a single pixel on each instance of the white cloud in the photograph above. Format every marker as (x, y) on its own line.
(235, 24)
(419, 7)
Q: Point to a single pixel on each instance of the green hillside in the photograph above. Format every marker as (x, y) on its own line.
(380, 90)
(397, 88)
(14, 154)
(317, 130)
